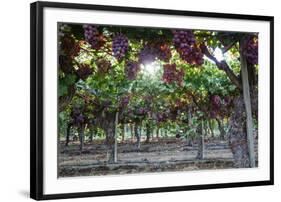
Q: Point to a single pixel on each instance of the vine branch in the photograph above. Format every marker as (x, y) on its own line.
(222, 65)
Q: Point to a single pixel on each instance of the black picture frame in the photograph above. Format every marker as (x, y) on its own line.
(37, 100)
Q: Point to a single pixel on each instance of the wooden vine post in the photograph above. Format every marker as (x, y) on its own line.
(115, 137)
(247, 102)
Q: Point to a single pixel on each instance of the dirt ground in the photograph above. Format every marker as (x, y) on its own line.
(155, 156)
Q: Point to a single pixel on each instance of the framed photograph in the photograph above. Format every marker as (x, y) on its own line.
(131, 100)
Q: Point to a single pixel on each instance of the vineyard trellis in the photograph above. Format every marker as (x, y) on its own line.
(119, 84)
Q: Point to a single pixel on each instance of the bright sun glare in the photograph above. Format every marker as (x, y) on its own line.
(218, 54)
(154, 67)
(151, 68)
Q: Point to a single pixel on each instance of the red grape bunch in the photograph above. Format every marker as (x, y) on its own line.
(65, 64)
(172, 74)
(120, 46)
(103, 66)
(150, 52)
(161, 117)
(77, 116)
(124, 101)
(227, 100)
(220, 105)
(164, 52)
(93, 36)
(215, 105)
(251, 50)
(83, 71)
(142, 111)
(216, 101)
(131, 69)
(185, 43)
(70, 46)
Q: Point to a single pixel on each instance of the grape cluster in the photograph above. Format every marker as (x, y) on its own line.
(171, 74)
(124, 101)
(131, 69)
(161, 117)
(215, 105)
(147, 55)
(65, 64)
(93, 36)
(103, 66)
(70, 46)
(83, 71)
(185, 44)
(150, 52)
(216, 101)
(227, 100)
(120, 46)
(77, 116)
(220, 105)
(251, 51)
(164, 52)
(142, 111)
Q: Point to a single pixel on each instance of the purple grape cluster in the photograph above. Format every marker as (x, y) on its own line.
(83, 71)
(171, 74)
(164, 52)
(161, 117)
(150, 52)
(251, 50)
(142, 111)
(147, 55)
(93, 37)
(131, 69)
(185, 43)
(124, 101)
(120, 46)
(216, 101)
(77, 116)
(220, 105)
(215, 105)
(227, 100)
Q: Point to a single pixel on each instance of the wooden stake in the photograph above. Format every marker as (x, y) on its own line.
(115, 137)
(247, 102)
